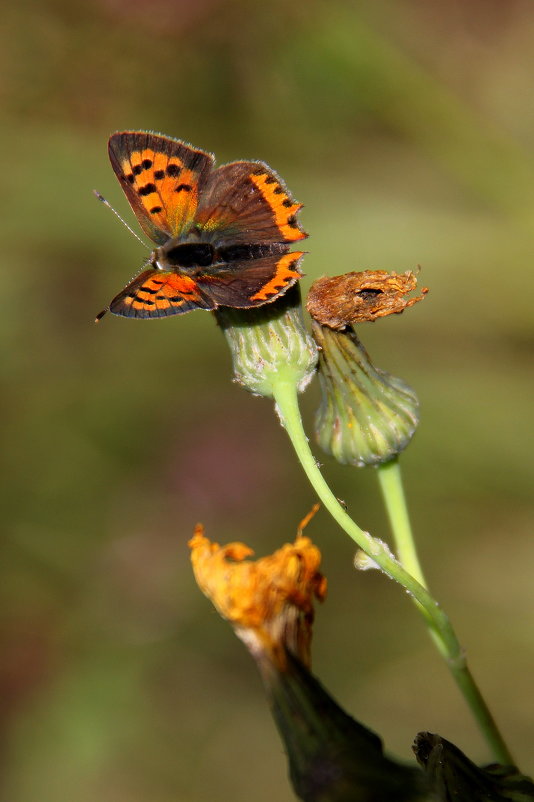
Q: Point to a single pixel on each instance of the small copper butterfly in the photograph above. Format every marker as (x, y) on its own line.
(222, 234)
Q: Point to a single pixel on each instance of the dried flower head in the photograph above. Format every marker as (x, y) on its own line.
(268, 601)
(339, 301)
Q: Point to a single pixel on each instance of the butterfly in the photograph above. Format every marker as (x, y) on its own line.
(223, 234)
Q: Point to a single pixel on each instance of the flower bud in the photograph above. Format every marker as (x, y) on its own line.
(269, 343)
(366, 416)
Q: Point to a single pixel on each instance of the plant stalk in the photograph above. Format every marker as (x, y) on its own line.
(390, 480)
(285, 395)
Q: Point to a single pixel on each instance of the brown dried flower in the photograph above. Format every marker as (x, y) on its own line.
(340, 301)
(269, 601)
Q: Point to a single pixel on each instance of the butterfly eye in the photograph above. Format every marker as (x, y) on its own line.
(189, 254)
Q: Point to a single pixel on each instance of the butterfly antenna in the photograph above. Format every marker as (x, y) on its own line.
(100, 315)
(115, 212)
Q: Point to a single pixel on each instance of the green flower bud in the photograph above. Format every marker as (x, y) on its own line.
(269, 344)
(366, 416)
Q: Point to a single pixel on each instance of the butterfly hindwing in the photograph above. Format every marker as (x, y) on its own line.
(158, 293)
(246, 202)
(162, 178)
(242, 285)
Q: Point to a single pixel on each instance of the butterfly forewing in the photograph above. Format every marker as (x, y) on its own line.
(163, 180)
(247, 202)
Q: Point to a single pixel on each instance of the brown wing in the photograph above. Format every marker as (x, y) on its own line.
(242, 285)
(247, 202)
(163, 179)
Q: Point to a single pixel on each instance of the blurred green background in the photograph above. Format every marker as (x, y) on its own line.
(406, 128)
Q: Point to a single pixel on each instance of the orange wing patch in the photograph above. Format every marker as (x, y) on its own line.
(166, 189)
(155, 293)
(159, 292)
(286, 273)
(282, 206)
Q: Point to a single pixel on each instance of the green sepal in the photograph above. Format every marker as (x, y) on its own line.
(367, 416)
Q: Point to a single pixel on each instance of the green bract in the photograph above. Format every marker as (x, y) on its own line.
(270, 344)
(366, 416)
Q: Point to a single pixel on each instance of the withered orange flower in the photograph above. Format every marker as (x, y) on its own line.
(268, 601)
(340, 301)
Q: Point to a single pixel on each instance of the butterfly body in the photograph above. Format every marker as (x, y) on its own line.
(223, 235)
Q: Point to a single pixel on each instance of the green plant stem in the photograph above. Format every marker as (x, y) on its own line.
(285, 395)
(390, 480)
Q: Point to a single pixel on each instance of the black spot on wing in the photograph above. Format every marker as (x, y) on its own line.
(147, 189)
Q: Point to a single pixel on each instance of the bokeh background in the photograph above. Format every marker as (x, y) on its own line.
(407, 129)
